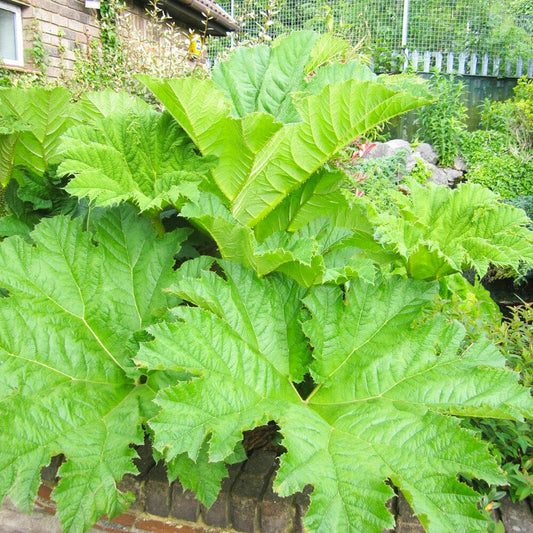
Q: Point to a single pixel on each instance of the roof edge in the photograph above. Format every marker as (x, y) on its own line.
(194, 12)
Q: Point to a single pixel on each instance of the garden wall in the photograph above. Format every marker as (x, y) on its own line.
(245, 504)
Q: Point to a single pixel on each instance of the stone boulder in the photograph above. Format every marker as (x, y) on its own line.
(425, 151)
(388, 149)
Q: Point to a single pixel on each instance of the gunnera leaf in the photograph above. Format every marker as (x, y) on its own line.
(38, 117)
(383, 407)
(440, 231)
(316, 253)
(144, 158)
(67, 381)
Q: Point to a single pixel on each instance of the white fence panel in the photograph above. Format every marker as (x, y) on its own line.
(468, 64)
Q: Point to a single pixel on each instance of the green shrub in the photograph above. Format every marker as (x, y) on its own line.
(511, 440)
(443, 122)
(514, 117)
(378, 178)
(495, 115)
(493, 163)
(523, 112)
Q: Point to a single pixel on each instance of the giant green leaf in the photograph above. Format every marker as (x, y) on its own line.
(322, 195)
(442, 231)
(269, 129)
(99, 104)
(38, 118)
(144, 158)
(262, 78)
(75, 301)
(385, 392)
(317, 252)
(265, 78)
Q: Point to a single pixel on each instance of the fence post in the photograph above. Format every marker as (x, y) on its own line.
(508, 68)
(473, 64)
(405, 65)
(530, 68)
(405, 23)
(415, 60)
(462, 63)
(485, 65)
(449, 63)
(427, 61)
(519, 67)
(438, 61)
(496, 66)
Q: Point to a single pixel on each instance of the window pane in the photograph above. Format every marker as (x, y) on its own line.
(8, 47)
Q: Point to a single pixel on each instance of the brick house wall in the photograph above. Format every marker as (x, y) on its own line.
(67, 25)
(49, 18)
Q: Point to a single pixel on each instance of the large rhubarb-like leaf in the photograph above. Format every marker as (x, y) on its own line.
(98, 104)
(67, 329)
(144, 158)
(262, 78)
(37, 119)
(265, 78)
(442, 231)
(380, 409)
(32, 122)
(316, 253)
(269, 128)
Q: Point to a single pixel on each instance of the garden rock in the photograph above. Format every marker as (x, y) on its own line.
(388, 148)
(459, 164)
(438, 175)
(410, 162)
(425, 151)
(453, 175)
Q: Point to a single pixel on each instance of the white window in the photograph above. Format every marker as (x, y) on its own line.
(11, 46)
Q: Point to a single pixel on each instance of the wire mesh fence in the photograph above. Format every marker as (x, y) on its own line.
(386, 29)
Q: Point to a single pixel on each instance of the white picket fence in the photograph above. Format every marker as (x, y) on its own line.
(466, 64)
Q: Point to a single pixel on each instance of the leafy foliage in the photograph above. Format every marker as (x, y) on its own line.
(32, 123)
(379, 178)
(441, 231)
(146, 159)
(374, 393)
(103, 338)
(494, 163)
(67, 338)
(443, 121)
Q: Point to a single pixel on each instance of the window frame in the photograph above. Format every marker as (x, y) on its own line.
(16, 9)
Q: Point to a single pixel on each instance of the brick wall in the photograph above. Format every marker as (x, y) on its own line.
(52, 17)
(246, 504)
(77, 26)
